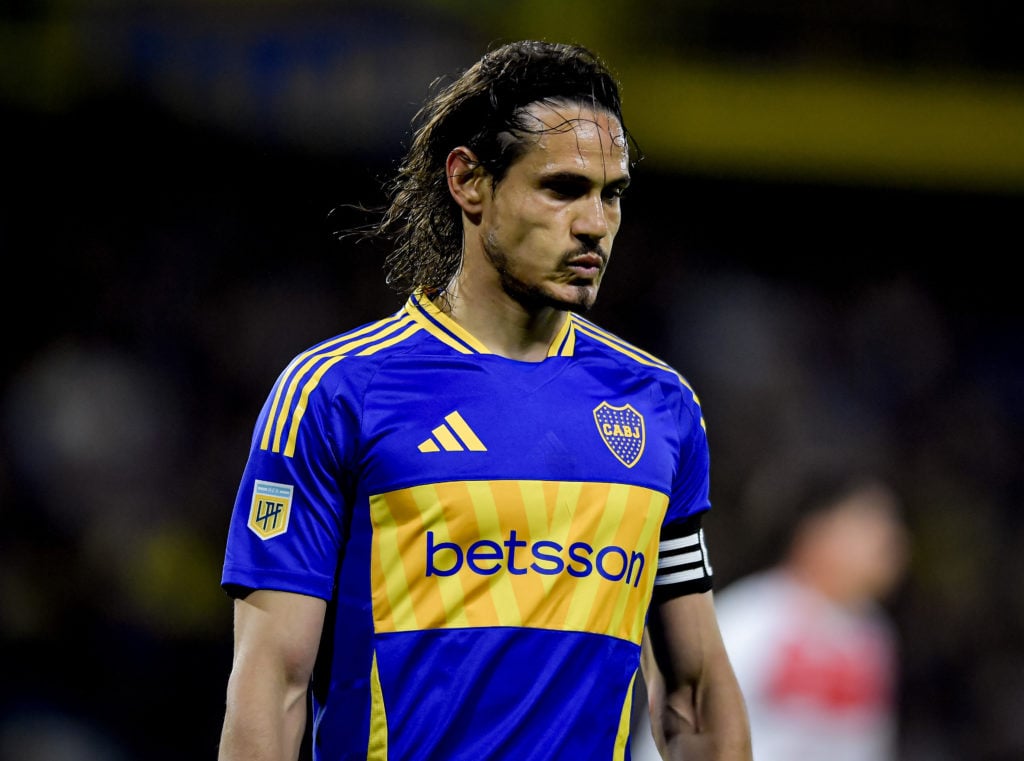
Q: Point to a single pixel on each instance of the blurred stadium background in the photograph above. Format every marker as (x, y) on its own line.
(822, 237)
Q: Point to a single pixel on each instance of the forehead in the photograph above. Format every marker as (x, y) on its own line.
(574, 137)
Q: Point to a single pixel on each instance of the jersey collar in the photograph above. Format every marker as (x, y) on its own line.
(446, 330)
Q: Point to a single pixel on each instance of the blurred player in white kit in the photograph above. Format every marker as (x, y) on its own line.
(815, 652)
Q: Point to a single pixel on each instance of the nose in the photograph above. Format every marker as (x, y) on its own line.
(591, 223)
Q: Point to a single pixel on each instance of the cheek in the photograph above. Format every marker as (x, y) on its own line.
(522, 217)
(614, 219)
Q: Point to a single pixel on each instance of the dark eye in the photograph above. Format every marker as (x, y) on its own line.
(566, 188)
(615, 192)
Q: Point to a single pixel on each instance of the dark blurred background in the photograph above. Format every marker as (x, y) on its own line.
(822, 237)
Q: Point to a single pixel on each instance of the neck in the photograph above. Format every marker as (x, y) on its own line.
(504, 325)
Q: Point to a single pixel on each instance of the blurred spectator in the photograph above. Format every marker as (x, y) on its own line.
(813, 647)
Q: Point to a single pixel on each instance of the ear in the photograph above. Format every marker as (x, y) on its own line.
(466, 180)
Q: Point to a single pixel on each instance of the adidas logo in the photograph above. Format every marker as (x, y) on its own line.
(456, 436)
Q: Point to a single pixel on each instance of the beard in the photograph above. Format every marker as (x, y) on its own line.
(534, 296)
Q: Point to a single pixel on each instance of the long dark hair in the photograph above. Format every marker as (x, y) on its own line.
(482, 109)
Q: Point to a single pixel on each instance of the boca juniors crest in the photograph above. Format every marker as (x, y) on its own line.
(622, 429)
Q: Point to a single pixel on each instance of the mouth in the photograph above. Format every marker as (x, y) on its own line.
(586, 266)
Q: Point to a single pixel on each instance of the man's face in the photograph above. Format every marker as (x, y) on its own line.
(548, 226)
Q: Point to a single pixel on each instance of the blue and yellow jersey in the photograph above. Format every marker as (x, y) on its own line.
(485, 531)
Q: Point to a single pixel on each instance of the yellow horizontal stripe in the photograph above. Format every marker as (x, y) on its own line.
(475, 554)
(819, 123)
(948, 128)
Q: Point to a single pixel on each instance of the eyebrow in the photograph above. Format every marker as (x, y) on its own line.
(582, 179)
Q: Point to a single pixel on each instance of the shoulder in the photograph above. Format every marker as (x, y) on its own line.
(352, 356)
(593, 339)
(328, 382)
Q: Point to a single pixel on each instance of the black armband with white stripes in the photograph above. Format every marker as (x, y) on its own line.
(683, 565)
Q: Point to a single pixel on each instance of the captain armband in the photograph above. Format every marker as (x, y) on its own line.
(683, 565)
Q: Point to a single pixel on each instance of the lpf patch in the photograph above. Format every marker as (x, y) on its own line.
(622, 429)
(271, 508)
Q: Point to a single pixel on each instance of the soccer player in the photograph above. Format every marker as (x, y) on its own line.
(815, 652)
(456, 523)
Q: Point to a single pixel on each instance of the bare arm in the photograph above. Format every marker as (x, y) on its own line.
(697, 710)
(277, 635)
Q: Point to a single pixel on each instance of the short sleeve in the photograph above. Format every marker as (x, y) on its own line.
(288, 526)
